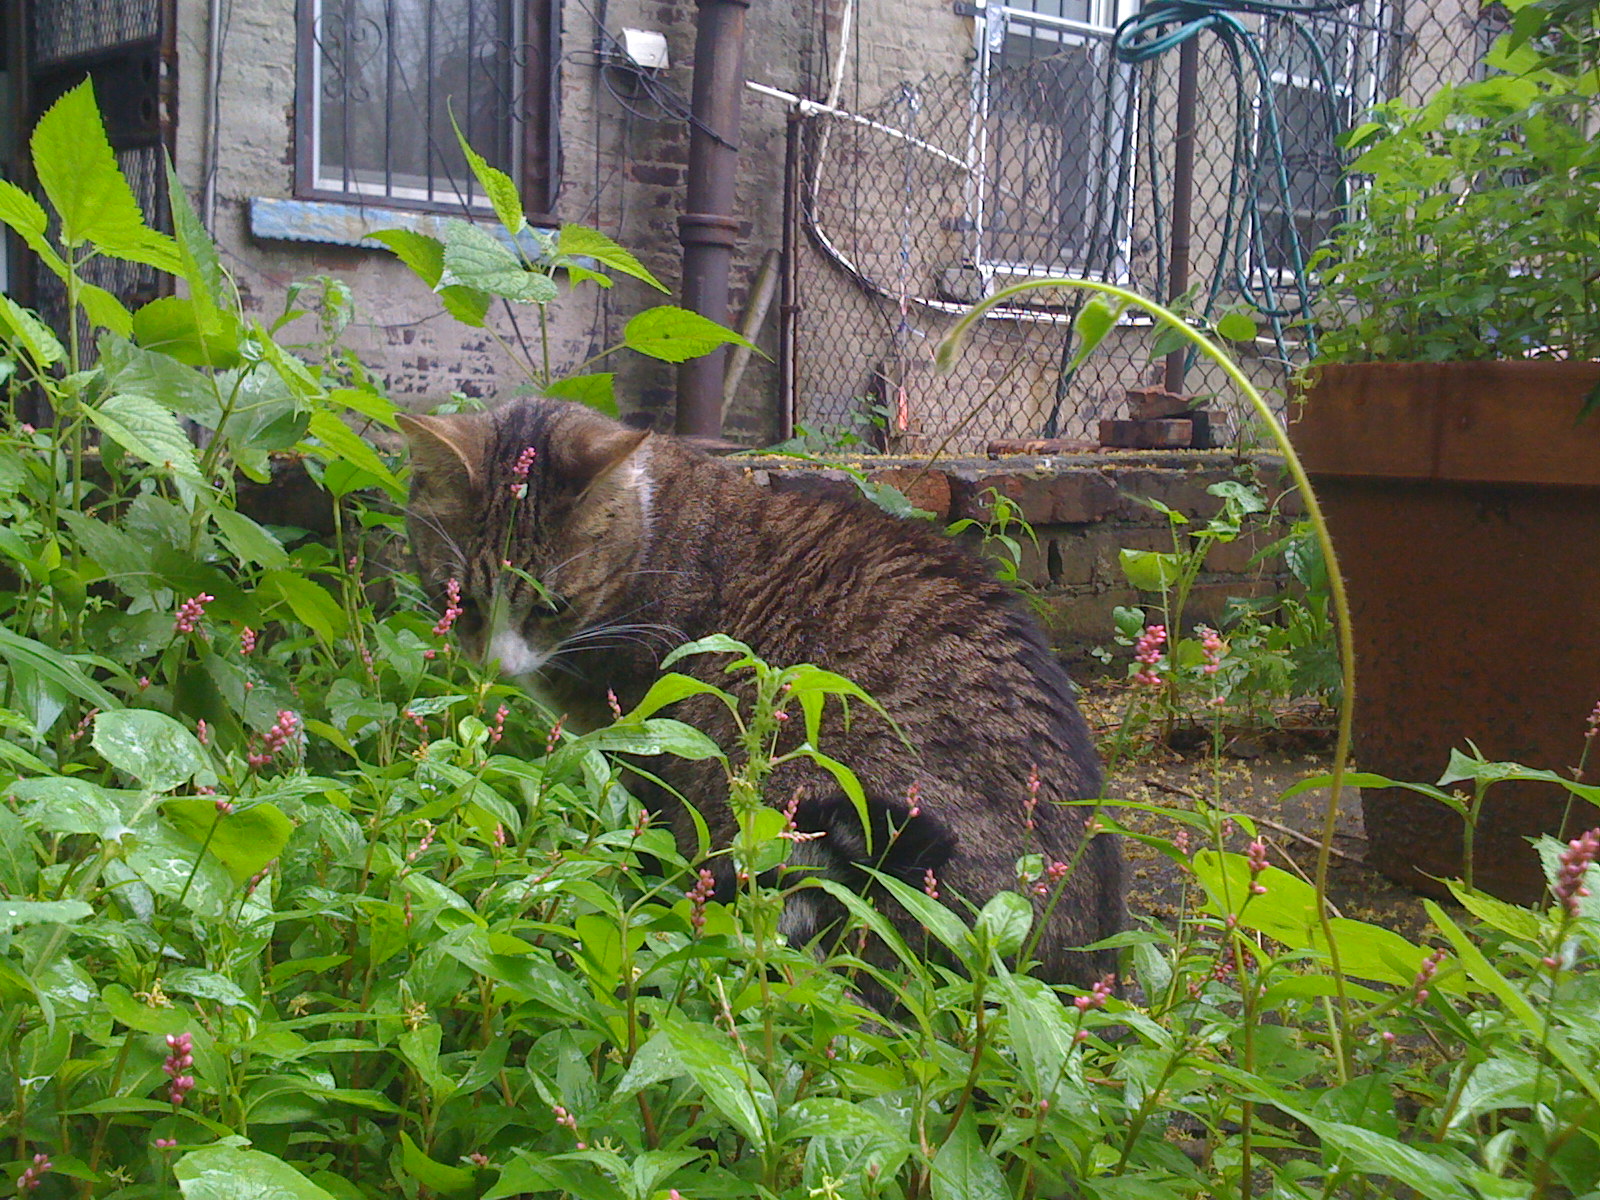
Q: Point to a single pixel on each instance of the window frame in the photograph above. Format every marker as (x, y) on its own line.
(534, 122)
(1357, 86)
(994, 22)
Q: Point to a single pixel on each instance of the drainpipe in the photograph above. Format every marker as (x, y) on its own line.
(708, 228)
(1183, 193)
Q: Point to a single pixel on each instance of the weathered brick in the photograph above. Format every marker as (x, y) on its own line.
(928, 489)
(1075, 620)
(1233, 558)
(1075, 496)
(1104, 546)
(1184, 491)
(1147, 435)
(1071, 559)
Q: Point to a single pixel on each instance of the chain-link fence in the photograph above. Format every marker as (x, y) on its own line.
(1051, 155)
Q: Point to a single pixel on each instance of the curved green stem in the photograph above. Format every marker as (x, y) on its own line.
(1341, 607)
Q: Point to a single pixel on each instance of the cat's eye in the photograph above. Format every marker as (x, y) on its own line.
(548, 607)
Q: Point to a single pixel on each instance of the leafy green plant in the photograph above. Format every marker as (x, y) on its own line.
(309, 908)
(1473, 232)
(469, 267)
(1000, 534)
(1169, 664)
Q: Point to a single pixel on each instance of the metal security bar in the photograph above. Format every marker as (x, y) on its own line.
(382, 80)
(127, 47)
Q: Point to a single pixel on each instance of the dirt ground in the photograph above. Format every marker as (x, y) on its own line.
(1256, 768)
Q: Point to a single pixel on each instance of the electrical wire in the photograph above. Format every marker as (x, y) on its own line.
(672, 104)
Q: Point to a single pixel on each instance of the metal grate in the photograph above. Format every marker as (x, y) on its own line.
(64, 29)
(387, 75)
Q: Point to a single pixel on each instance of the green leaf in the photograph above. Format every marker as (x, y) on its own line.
(730, 1084)
(248, 540)
(425, 256)
(19, 867)
(963, 1170)
(420, 1047)
(27, 217)
(132, 370)
(148, 431)
(340, 441)
(244, 841)
(231, 1173)
(170, 864)
(1167, 340)
(136, 1014)
(1428, 1174)
(310, 603)
(1043, 1040)
(827, 1116)
(16, 913)
(1236, 326)
(63, 804)
(579, 241)
(657, 735)
(368, 403)
(1508, 918)
(105, 310)
(497, 185)
(78, 172)
(1150, 570)
(22, 328)
(174, 326)
(205, 985)
(928, 912)
(598, 391)
(1004, 921)
(149, 746)
(61, 669)
(671, 688)
(525, 1175)
(675, 335)
(1094, 321)
(429, 1173)
(474, 258)
(202, 267)
(714, 643)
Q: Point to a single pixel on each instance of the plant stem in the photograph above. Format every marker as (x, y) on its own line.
(1336, 588)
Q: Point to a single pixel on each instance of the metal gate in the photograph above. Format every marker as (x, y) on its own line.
(128, 48)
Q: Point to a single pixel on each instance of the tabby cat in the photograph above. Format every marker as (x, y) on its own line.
(639, 542)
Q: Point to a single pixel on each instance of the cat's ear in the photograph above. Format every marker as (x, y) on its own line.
(595, 449)
(447, 453)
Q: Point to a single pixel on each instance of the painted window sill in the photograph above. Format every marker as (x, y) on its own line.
(340, 224)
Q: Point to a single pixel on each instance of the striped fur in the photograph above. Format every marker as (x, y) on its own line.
(640, 543)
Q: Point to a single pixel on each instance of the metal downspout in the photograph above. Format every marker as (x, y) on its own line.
(708, 229)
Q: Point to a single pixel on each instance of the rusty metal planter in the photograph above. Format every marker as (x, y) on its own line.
(1464, 500)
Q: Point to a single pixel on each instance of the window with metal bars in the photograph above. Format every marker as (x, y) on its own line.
(1054, 119)
(380, 81)
(1325, 71)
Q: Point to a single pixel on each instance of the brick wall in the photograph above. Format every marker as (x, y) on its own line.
(1083, 512)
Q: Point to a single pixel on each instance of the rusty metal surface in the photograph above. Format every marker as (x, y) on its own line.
(1474, 613)
(1491, 422)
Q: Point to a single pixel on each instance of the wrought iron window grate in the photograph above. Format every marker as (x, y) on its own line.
(388, 76)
